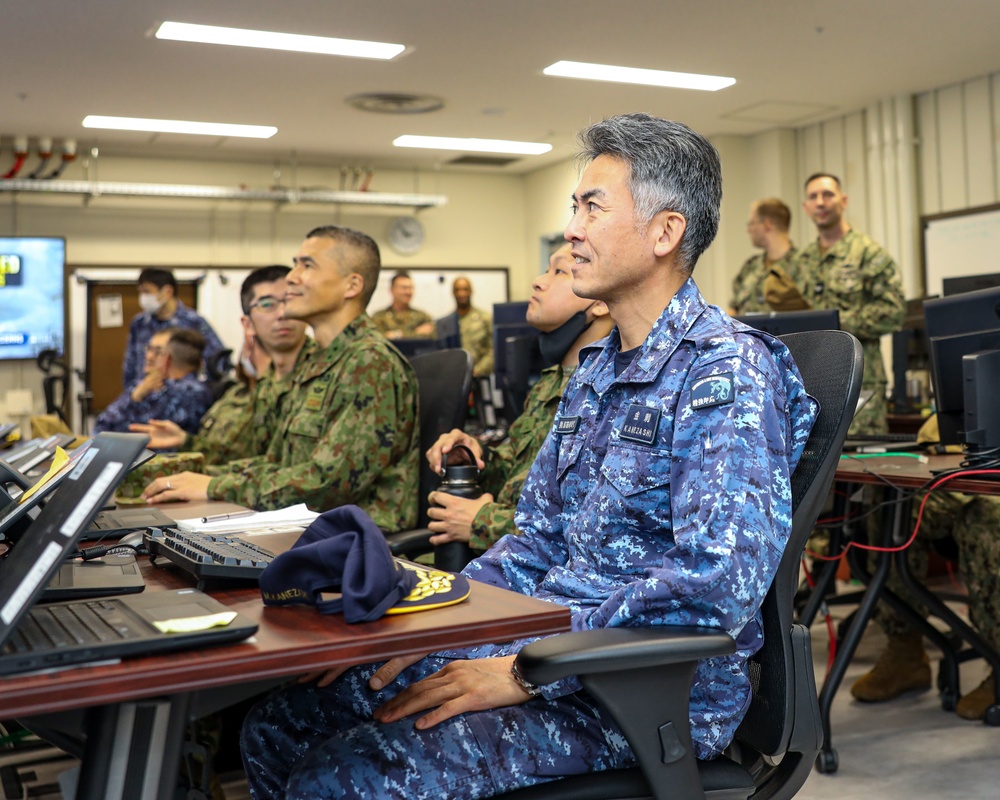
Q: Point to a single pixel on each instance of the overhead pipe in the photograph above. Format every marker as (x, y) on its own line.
(68, 156)
(45, 154)
(20, 156)
(95, 189)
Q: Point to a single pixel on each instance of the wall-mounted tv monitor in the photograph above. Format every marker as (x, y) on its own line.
(32, 315)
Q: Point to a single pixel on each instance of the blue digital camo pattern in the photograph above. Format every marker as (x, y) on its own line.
(306, 743)
(144, 325)
(183, 401)
(686, 531)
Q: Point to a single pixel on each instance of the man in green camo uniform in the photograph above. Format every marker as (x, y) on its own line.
(399, 321)
(567, 323)
(347, 430)
(767, 227)
(846, 270)
(973, 524)
(231, 427)
(475, 328)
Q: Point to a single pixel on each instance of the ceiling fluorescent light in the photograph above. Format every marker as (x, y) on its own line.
(179, 126)
(473, 145)
(646, 77)
(268, 40)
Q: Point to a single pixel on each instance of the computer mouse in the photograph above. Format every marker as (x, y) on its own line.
(134, 539)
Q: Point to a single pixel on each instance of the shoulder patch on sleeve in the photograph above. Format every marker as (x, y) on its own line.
(714, 390)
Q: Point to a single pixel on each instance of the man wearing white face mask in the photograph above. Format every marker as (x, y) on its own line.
(235, 426)
(161, 309)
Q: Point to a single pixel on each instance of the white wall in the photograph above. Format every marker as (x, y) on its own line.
(899, 158)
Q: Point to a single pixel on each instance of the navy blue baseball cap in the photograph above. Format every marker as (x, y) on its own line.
(343, 551)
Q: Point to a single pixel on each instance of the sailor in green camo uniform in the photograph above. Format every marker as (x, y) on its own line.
(567, 323)
(347, 430)
(767, 227)
(399, 320)
(230, 429)
(846, 270)
(475, 328)
(972, 522)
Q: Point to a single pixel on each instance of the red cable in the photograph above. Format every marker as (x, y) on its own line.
(18, 163)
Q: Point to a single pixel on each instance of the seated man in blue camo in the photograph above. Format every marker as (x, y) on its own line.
(660, 497)
(161, 309)
(169, 388)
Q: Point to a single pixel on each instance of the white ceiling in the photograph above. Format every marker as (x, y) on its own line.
(795, 62)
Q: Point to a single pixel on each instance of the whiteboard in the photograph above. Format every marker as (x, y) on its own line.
(960, 244)
(432, 288)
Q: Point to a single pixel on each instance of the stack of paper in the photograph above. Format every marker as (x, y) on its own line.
(298, 516)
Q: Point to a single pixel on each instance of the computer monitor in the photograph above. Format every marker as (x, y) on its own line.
(778, 323)
(963, 337)
(969, 283)
(416, 346)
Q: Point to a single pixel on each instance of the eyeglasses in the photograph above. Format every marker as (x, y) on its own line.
(267, 303)
(156, 351)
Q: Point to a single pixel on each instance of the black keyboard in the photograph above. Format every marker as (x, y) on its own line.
(75, 623)
(209, 555)
(883, 437)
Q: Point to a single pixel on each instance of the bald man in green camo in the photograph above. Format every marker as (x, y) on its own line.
(846, 270)
(347, 431)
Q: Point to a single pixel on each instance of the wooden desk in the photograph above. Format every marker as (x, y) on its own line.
(185, 685)
(899, 475)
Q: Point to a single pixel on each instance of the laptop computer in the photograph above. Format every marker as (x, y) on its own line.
(108, 575)
(16, 513)
(36, 636)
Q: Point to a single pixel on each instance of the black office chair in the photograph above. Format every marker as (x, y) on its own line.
(642, 676)
(218, 370)
(54, 386)
(524, 366)
(444, 378)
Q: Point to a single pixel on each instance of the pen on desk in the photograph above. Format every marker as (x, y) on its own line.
(220, 517)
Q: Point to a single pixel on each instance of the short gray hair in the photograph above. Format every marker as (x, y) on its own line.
(671, 167)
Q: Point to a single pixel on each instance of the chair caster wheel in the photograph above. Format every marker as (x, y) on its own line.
(949, 699)
(827, 761)
(992, 716)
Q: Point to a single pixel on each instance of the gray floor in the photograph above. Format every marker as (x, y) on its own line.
(905, 749)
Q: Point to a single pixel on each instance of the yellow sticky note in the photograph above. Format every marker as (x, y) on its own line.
(192, 624)
(59, 460)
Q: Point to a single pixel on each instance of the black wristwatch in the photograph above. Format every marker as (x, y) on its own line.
(524, 683)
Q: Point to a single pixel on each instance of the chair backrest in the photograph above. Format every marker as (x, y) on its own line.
(524, 363)
(444, 379)
(831, 364)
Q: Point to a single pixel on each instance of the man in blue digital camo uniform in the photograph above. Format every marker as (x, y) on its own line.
(161, 309)
(169, 389)
(660, 497)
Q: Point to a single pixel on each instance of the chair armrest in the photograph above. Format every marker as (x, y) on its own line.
(619, 650)
(641, 677)
(410, 543)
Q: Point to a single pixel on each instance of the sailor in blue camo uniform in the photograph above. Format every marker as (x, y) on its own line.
(661, 496)
(169, 390)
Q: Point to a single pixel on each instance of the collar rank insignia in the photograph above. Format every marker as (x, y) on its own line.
(565, 425)
(640, 424)
(715, 390)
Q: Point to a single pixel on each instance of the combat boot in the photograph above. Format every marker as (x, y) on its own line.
(902, 667)
(974, 704)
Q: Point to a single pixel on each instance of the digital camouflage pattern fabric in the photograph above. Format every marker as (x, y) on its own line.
(748, 285)
(346, 432)
(476, 332)
(406, 321)
(144, 325)
(973, 522)
(508, 463)
(687, 529)
(183, 401)
(861, 280)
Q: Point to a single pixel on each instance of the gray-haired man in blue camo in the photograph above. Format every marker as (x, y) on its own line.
(660, 497)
